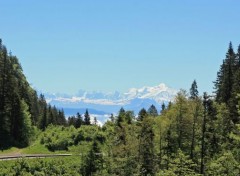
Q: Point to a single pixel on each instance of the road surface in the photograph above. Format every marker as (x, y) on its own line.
(29, 156)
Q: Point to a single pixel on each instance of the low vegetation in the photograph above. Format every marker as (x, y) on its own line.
(194, 135)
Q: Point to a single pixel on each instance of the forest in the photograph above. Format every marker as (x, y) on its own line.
(193, 135)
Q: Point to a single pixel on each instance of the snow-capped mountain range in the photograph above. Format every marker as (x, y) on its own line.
(106, 103)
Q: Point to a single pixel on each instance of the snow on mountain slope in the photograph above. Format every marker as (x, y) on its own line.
(134, 99)
(158, 93)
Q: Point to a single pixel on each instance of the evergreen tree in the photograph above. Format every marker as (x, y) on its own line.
(61, 120)
(169, 105)
(112, 118)
(142, 114)
(182, 120)
(51, 118)
(44, 120)
(4, 126)
(120, 117)
(79, 121)
(211, 136)
(129, 116)
(19, 102)
(224, 165)
(152, 111)
(224, 82)
(193, 90)
(72, 121)
(146, 152)
(95, 121)
(203, 147)
(87, 118)
(34, 107)
(182, 165)
(170, 147)
(93, 162)
(196, 105)
(227, 82)
(26, 129)
(163, 107)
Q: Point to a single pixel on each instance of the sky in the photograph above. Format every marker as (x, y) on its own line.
(107, 45)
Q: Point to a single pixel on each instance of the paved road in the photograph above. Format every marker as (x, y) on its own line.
(14, 157)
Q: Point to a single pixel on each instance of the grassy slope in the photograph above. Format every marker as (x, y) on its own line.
(56, 134)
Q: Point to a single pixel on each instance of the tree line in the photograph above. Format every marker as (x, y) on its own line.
(193, 135)
(21, 110)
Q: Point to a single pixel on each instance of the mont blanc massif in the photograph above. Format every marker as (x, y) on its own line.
(101, 105)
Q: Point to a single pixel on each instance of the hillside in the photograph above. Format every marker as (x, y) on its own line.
(193, 135)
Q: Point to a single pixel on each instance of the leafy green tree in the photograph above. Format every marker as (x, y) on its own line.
(224, 165)
(182, 165)
(26, 128)
(183, 121)
(196, 113)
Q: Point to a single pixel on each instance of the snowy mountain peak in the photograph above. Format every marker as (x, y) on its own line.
(133, 99)
(158, 93)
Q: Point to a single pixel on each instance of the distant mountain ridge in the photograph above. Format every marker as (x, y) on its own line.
(111, 102)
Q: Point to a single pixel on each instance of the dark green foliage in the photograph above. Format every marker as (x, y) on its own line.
(142, 114)
(124, 117)
(146, 148)
(193, 90)
(182, 121)
(112, 118)
(196, 107)
(43, 122)
(78, 121)
(20, 107)
(152, 111)
(192, 136)
(227, 84)
(93, 161)
(163, 107)
(129, 116)
(49, 115)
(120, 117)
(87, 118)
(15, 104)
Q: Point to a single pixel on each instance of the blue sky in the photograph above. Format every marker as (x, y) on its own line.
(109, 45)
